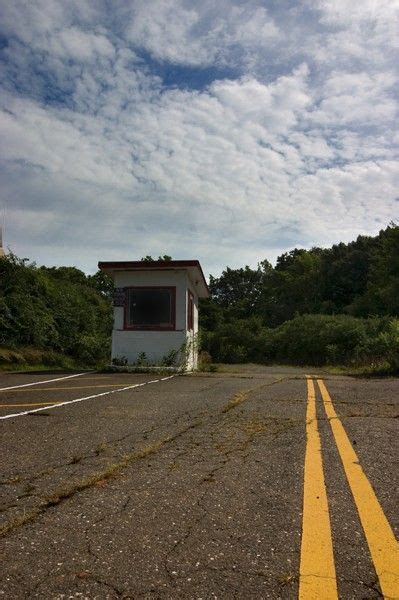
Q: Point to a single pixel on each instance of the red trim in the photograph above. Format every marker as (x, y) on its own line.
(140, 265)
(172, 327)
(190, 310)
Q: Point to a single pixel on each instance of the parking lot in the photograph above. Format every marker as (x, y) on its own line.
(199, 486)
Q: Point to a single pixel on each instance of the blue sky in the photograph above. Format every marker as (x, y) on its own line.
(228, 131)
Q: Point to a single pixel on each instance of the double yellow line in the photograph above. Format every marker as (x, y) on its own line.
(317, 570)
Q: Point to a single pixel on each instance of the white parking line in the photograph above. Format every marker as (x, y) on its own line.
(129, 387)
(14, 387)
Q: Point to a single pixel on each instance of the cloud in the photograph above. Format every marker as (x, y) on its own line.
(297, 148)
(357, 98)
(362, 33)
(201, 34)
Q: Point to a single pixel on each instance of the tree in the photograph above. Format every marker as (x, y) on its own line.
(240, 290)
(149, 258)
(381, 296)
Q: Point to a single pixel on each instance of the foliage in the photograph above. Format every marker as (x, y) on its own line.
(149, 258)
(307, 340)
(170, 359)
(120, 361)
(336, 305)
(57, 308)
(317, 306)
(360, 278)
(142, 360)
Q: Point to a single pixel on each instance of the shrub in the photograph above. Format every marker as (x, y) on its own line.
(89, 349)
(120, 361)
(142, 360)
(307, 339)
(54, 309)
(204, 359)
(170, 359)
(318, 339)
(381, 349)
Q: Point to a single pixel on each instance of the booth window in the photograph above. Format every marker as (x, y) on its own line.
(150, 308)
(190, 311)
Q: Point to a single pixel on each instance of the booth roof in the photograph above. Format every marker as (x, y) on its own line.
(192, 266)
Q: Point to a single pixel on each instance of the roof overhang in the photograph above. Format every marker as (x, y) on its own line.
(193, 267)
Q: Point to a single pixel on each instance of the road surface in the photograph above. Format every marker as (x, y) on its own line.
(199, 486)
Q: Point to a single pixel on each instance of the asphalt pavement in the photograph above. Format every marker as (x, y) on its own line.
(199, 486)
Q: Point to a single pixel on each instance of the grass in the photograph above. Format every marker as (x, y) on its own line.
(101, 448)
(288, 578)
(12, 480)
(254, 427)
(376, 369)
(29, 359)
(75, 460)
(236, 400)
(243, 395)
(381, 369)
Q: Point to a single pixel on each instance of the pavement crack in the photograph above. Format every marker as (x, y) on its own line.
(244, 395)
(118, 593)
(111, 471)
(373, 586)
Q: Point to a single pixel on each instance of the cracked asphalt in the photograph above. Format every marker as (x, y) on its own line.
(191, 487)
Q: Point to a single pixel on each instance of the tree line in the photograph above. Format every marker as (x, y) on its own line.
(338, 305)
(59, 310)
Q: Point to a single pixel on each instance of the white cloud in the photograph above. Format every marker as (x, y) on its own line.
(202, 34)
(34, 22)
(341, 12)
(79, 45)
(114, 164)
(364, 32)
(347, 98)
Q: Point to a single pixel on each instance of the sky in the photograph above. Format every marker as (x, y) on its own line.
(227, 131)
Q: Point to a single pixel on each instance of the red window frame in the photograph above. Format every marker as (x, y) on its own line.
(171, 327)
(190, 310)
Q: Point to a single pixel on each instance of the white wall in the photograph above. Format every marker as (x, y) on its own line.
(192, 336)
(156, 344)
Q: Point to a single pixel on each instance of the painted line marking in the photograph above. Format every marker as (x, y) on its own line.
(77, 387)
(13, 387)
(383, 546)
(109, 392)
(317, 569)
(31, 404)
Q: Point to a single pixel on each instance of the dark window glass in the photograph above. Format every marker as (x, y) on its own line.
(150, 308)
(190, 311)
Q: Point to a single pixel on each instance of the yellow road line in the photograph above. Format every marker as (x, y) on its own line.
(317, 570)
(32, 404)
(382, 544)
(52, 389)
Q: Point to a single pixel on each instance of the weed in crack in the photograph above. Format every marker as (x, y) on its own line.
(236, 400)
(288, 579)
(99, 478)
(101, 448)
(242, 396)
(11, 480)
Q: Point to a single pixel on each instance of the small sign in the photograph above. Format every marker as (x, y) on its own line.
(119, 297)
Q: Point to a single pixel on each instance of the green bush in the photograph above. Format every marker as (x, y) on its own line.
(381, 349)
(307, 340)
(90, 349)
(319, 339)
(59, 310)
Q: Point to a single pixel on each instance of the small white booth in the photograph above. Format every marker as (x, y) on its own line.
(156, 310)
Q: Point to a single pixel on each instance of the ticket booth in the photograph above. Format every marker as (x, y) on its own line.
(156, 311)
